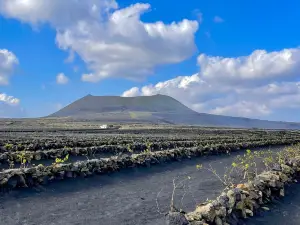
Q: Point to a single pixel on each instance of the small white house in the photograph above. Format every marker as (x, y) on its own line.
(104, 126)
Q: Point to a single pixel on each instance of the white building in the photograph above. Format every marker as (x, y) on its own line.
(104, 126)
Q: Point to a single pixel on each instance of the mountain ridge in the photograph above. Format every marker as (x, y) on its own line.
(156, 109)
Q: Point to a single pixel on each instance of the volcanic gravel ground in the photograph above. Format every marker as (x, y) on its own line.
(123, 198)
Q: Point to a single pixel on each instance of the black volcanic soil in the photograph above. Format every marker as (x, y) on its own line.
(125, 198)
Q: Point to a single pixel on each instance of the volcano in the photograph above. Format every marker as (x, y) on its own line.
(158, 109)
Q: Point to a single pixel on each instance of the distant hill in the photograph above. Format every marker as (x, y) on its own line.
(155, 109)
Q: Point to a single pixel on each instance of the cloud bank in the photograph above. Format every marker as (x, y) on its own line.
(254, 86)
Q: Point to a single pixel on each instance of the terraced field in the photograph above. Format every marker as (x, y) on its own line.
(42, 189)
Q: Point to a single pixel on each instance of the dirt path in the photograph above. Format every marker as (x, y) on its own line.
(124, 198)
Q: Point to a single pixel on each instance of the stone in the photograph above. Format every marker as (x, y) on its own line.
(82, 174)
(223, 200)
(232, 219)
(250, 204)
(249, 212)
(193, 216)
(240, 205)
(3, 181)
(32, 170)
(69, 174)
(84, 169)
(276, 167)
(268, 176)
(272, 183)
(221, 212)
(22, 181)
(260, 184)
(268, 192)
(243, 197)
(218, 221)
(232, 198)
(215, 203)
(245, 193)
(51, 177)
(207, 211)
(37, 157)
(176, 218)
(286, 169)
(61, 175)
(198, 223)
(241, 186)
(3, 157)
(281, 192)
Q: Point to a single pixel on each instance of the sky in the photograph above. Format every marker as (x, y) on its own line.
(226, 57)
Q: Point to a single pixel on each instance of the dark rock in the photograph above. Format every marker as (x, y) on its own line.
(276, 167)
(60, 175)
(223, 199)
(43, 180)
(198, 223)
(218, 221)
(69, 174)
(83, 174)
(232, 219)
(29, 180)
(3, 181)
(21, 181)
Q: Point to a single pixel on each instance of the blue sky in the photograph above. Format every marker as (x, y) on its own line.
(238, 58)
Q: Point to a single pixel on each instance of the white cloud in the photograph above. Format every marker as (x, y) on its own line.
(254, 86)
(112, 41)
(59, 14)
(9, 99)
(258, 66)
(218, 19)
(70, 58)
(10, 107)
(61, 78)
(132, 92)
(7, 63)
(243, 109)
